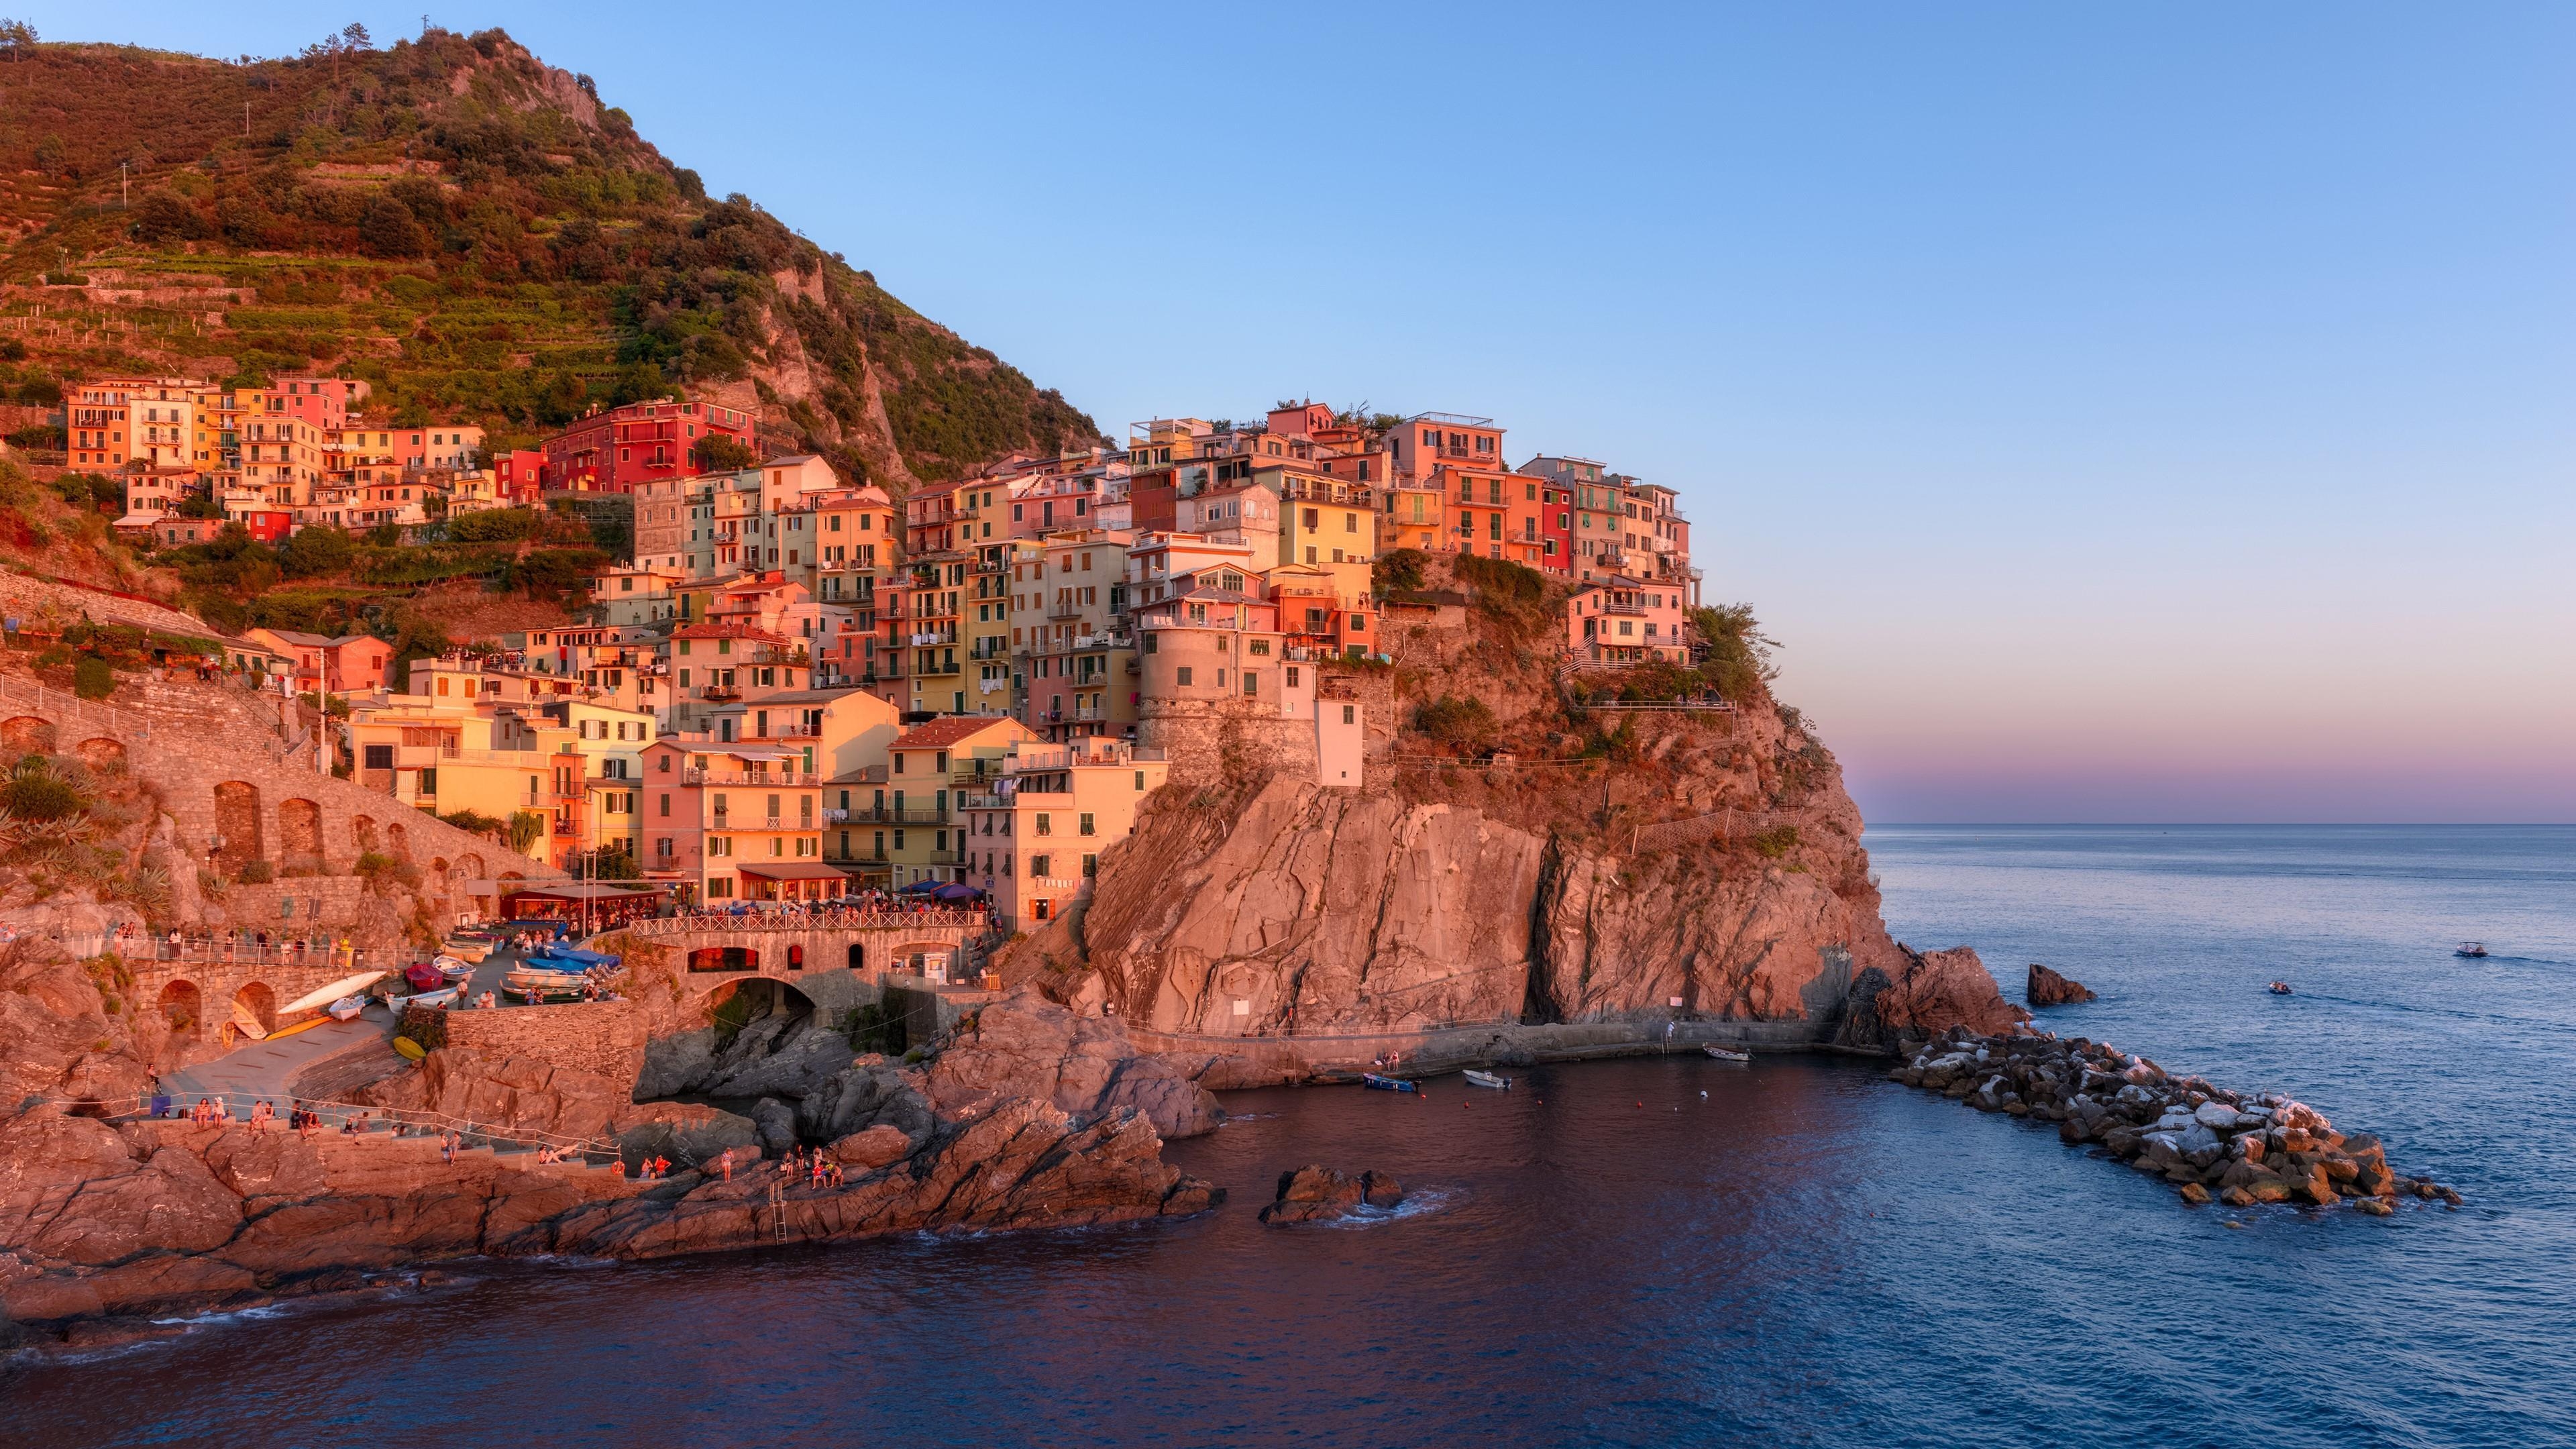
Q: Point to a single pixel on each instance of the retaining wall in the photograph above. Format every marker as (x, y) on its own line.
(605, 1037)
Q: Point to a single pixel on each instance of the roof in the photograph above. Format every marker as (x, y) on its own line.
(308, 641)
(948, 730)
(725, 631)
(810, 696)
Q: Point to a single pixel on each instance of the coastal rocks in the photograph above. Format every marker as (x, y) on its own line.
(2046, 988)
(1027, 1046)
(775, 1050)
(1321, 1194)
(2203, 1139)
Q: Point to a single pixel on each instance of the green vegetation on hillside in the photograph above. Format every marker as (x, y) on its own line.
(467, 229)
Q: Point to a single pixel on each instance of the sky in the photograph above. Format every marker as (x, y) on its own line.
(2116, 413)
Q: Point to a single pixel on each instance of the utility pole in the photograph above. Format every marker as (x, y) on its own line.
(124, 194)
(245, 120)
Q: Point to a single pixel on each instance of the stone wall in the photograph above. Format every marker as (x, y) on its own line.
(602, 1037)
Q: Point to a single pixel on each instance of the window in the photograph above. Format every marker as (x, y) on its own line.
(1292, 676)
(1182, 676)
(380, 757)
(1038, 864)
(1090, 866)
(1350, 523)
(1140, 779)
(1350, 714)
(1086, 824)
(1251, 683)
(1046, 823)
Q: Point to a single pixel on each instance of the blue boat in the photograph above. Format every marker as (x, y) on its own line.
(1376, 1083)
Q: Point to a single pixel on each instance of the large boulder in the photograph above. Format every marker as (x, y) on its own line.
(1027, 1046)
(2046, 988)
(1313, 1194)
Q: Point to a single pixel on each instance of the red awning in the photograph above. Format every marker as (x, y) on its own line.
(794, 872)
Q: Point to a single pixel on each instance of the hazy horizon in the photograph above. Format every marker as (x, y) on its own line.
(2116, 414)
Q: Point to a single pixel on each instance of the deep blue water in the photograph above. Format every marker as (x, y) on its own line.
(1807, 1254)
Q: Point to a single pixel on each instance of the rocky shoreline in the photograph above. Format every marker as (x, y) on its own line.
(2244, 1149)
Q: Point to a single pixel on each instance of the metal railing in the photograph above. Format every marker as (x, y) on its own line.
(823, 917)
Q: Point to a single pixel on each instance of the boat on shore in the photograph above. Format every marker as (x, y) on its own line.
(2470, 948)
(347, 1008)
(1476, 1078)
(1727, 1054)
(1376, 1083)
(473, 951)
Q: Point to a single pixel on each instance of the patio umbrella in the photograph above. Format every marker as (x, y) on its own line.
(919, 887)
(956, 891)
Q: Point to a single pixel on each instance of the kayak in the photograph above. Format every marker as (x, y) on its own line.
(333, 992)
(292, 1030)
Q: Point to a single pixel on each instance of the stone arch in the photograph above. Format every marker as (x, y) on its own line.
(753, 997)
(471, 864)
(858, 956)
(255, 1006)
(184, 1007)
(26, 734)
(363, 829)
(400, 840)
(438, 866)
(237, 824)
(299, 828)
(724, 958)
(513, 875)
(101, 754)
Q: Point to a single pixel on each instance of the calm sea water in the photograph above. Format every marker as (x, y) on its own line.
(1657, 1251)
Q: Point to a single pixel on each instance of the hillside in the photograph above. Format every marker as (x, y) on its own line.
(473, 232)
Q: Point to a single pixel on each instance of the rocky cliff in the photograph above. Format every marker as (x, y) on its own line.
(1597, 867)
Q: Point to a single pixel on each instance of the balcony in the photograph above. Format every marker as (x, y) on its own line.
(720, 693)
(751, 780)
(1065, 611)
(932, 636)
(898, 815)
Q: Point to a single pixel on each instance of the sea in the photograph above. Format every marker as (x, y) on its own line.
(1654, 1251)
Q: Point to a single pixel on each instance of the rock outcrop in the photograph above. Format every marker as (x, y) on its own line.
(2047, 988)
(2249, 1149)
(1027, 1046)
(1314, 1194)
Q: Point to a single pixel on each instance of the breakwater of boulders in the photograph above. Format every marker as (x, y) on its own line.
(2241, 1148)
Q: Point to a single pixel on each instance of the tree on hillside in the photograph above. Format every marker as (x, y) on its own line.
(720, 454)
(390, 230)
(17, 38)
(310, 552)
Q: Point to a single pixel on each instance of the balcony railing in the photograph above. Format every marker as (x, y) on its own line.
(720, 693)
(892, 815)
(750, 779)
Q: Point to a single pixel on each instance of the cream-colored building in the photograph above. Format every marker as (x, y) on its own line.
(1032, 837)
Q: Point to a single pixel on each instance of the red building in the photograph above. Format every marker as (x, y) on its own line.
(612, 451)
(268, 525)
(519, 476)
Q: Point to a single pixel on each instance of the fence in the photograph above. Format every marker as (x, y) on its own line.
(1719, 824)
(400, 1122)
(828, 919)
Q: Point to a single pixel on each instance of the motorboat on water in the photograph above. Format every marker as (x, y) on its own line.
(1727, 1054)
(1377, 1083)
(2279, 988)
(2470, 948)
(1487, 1079)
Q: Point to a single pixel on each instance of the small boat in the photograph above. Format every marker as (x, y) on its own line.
(347, 1008)
(2279, 988)
(1376, 1083)
(2470, 948)
(1487, 1079)
(426, 998)
(305, 1025)
(466, 950)
(1727, 1054)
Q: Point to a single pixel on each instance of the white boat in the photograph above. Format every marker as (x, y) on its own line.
(466, 950)
(1487, 1079)
(345, 986)
(347, 1008)
(426, 998)
(1727, 1054)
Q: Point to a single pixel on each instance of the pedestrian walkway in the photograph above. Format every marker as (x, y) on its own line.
(261, 1070)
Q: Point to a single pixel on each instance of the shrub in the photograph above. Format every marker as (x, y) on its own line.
(474, 820)
(372, 864)
(1398, 571)
(35, 792)
(1453, 720)
(1776, 842)
(312, 551)
(92, 678)
(257, 872)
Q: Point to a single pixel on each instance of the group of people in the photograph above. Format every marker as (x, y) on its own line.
(815, 1167)
(300, 1119)
(130, 940)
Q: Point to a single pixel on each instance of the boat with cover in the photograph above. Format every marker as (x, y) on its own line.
(1487, 1079)
(1376, 1083)
(2470, 948)
(1727, 1054)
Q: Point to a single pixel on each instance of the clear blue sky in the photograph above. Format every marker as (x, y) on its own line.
(2120, 413)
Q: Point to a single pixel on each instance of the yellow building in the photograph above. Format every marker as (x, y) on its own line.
(909, 816)
(1032, 836)
(1324, 521)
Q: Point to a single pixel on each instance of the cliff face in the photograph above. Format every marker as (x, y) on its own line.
(1559, 884)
